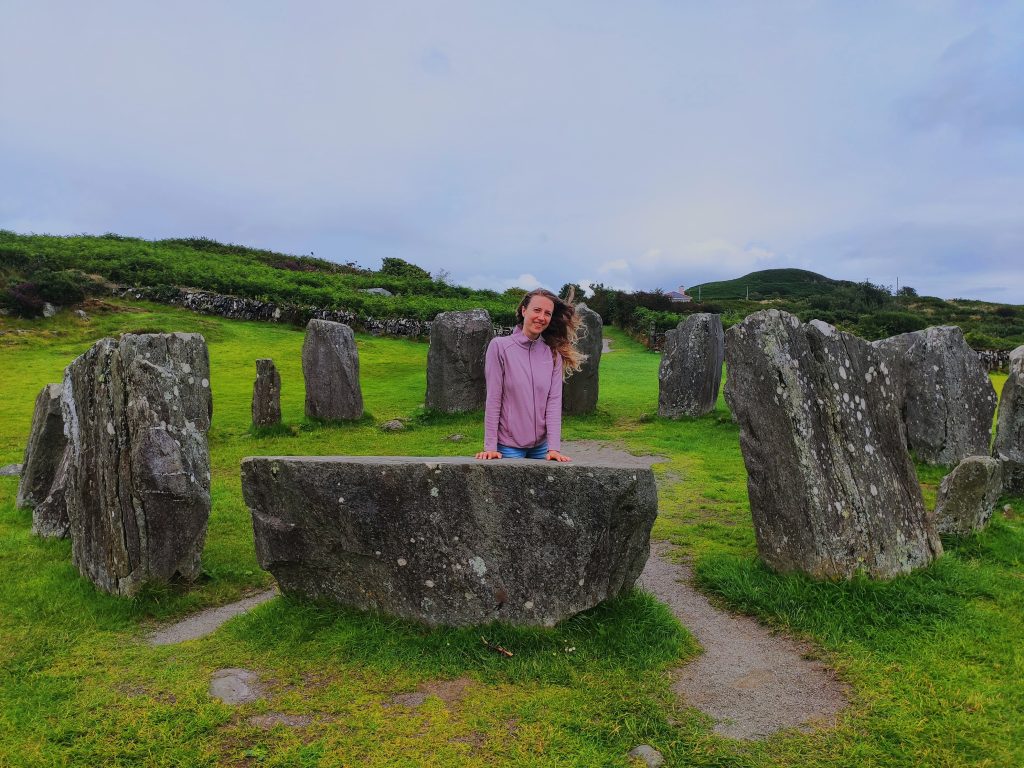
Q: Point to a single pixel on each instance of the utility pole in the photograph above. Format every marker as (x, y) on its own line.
(748, 293)
(698, 294)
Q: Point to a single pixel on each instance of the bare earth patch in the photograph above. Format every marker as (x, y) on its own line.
(208, 621)
(751, 681)
(608, 453)
(451, 692)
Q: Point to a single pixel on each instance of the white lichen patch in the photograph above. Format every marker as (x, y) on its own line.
(477, 564)
(402, 561)
(434, 492)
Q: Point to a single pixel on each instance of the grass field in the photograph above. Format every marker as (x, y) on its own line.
(934, 660)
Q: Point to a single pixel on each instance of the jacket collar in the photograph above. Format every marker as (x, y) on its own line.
(522, 339)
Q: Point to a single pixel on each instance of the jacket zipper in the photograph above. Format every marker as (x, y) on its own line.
(533, 392)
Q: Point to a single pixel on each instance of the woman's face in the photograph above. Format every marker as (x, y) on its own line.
(537, 315)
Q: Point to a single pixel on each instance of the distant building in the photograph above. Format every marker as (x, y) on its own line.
(679, 296)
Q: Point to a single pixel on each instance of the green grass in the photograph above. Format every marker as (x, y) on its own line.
(933, 659)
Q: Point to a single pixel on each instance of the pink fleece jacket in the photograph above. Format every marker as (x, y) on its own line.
(524, 393)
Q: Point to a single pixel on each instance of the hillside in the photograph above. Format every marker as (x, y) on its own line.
(61, 270)
(769, 284)
(35, 269)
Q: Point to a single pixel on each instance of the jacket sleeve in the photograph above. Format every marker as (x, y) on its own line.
(553, 412)
(494, 378)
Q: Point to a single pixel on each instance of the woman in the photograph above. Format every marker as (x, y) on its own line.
(524, 371)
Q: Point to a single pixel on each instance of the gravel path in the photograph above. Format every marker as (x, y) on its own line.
(206, 622)
(751, 681)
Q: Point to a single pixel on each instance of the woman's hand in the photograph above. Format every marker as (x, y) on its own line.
(556, 456)
(491, 455)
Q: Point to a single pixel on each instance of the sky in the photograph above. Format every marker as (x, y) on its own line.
(636, 144)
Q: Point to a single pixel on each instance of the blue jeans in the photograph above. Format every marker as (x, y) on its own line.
(537, 452)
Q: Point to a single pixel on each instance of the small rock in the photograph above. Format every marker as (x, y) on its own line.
(456, 438)
(968, 495)
(49, 310)
(1007, 508)
(10, 470)
(395, 425)
(651, 757)
(235, 686)
(377, 291)
(81, 315)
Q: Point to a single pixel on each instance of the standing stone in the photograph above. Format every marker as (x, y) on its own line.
(330, 366)
(968, 494)
(691, 367)
(579, 392)
(50, 516)
(45, 447)
(945, 396)
(137, 411)
(455, 360)
(266, 394)
(832, 488)
(1009, 444)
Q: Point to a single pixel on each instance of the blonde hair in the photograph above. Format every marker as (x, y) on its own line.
(562, 332)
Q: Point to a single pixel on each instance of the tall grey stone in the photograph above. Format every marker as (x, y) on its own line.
(451, 541)
(945, 396)
(1009, 443)
(968, 494)
(691, 367)
(330, 366)
(44, 448)
(455, 360)
(832, 488)
(137, 410)
(579, 391)
(266, 394)
(50, 516)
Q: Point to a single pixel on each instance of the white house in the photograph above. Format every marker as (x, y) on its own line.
(679, 296)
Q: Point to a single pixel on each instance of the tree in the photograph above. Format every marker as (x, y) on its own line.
(396, 267)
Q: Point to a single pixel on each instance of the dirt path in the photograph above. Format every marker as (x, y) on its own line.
(207, 622)
(751, 681)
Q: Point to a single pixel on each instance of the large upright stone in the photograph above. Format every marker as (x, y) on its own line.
(1009, 444)
(44, 449)
(50, 516)
(266, 394)
(579, 392)
(330, 366)
(945, 396)
(832, 488)
(137, 411)
(968, 494)
(455, 360)
(691, 367)
(451, 541)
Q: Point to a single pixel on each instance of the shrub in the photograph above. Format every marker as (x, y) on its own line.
(23, 299)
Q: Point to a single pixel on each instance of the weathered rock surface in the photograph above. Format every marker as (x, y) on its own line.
(50, 516)
(691, 367)
(579, 392)
(968, 494)
(330, 365)
(455, 360)
(945, 396)
(266, 394)
(832, 487)
(451, 541)
(10, 470)
(137, 410)
(1009, 443)
(44, 449)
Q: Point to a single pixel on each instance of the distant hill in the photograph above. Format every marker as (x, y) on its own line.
(770, 284)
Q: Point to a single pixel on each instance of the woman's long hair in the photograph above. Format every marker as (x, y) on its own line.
(562, 332)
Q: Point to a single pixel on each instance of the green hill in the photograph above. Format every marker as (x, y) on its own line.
(770, 284)
(61, 270)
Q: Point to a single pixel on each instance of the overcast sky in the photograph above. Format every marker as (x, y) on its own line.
(639, 144)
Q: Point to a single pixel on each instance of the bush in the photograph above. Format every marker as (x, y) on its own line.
(402, 268)
(23, 299)
(66, 286)
(880, 325)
